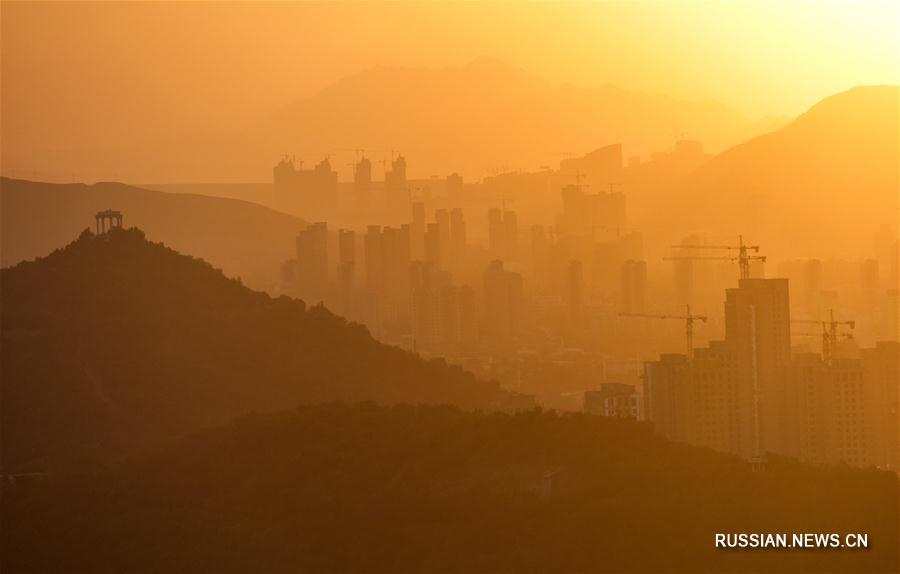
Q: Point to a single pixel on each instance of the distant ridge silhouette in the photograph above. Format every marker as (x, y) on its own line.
(242, 238)
(468, 119)
(836, 169)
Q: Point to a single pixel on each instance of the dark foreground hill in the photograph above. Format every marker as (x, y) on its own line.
(434, 489)
(114, 342)
(242, 238)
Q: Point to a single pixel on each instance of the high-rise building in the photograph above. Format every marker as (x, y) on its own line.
(634, 286)
(284, 173)
(758, 327)
(748, 396)
(312, 262)
(310, 191)
(362, 182)
(346, 246)
(347, 270)
(387, 253)
(435, 309)
(868, 275)
(393, 298)
(695, 400)
(442, 218)
(683, 271)
(502, 308)
(665, 395)
(846, 409)
(510, 235)
(417, 230)
(591, 215)
(457, 237)
(735, 395)
(425, 305)
(711, 408)
(373, 254)
(395, 185)
(433, 245)
(881, 374)
(454, 187)
(503, 234)
(811, 387)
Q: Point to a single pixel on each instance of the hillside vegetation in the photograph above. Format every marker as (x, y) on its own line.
(114, 342)
(434, 489)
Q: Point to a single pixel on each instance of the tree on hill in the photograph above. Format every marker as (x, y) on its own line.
(114, 341)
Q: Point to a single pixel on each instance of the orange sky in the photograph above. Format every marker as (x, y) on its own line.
(153, 70)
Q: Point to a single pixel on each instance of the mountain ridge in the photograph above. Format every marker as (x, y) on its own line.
(113, 343)
(243, 238)
(837, 164)
(467, 119)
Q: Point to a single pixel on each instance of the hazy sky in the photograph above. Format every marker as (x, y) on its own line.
(152, 70)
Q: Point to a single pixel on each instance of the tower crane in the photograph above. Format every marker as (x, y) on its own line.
(743, 256)
(688, 319)
(830, 335)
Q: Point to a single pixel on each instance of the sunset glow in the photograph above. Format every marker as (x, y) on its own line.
(450, 287)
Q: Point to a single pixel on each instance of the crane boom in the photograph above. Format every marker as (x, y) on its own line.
(743, 257)
(830, 334)
(688, 319)
(699, 258)
(738, 247)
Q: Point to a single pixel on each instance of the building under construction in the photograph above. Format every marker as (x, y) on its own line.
(311, 191)
(749, 396)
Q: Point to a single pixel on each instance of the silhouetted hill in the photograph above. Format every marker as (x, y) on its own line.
(114, 342)
(244, 239)
(470, 119)
(821, 186)
(433, 489)
(487, 114)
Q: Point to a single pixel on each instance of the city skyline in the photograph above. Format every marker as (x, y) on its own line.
(456, 287)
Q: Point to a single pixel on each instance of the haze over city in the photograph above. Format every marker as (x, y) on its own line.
(94, 78)
(469, 287)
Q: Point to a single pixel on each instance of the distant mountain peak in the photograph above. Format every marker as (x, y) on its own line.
(836, 165)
